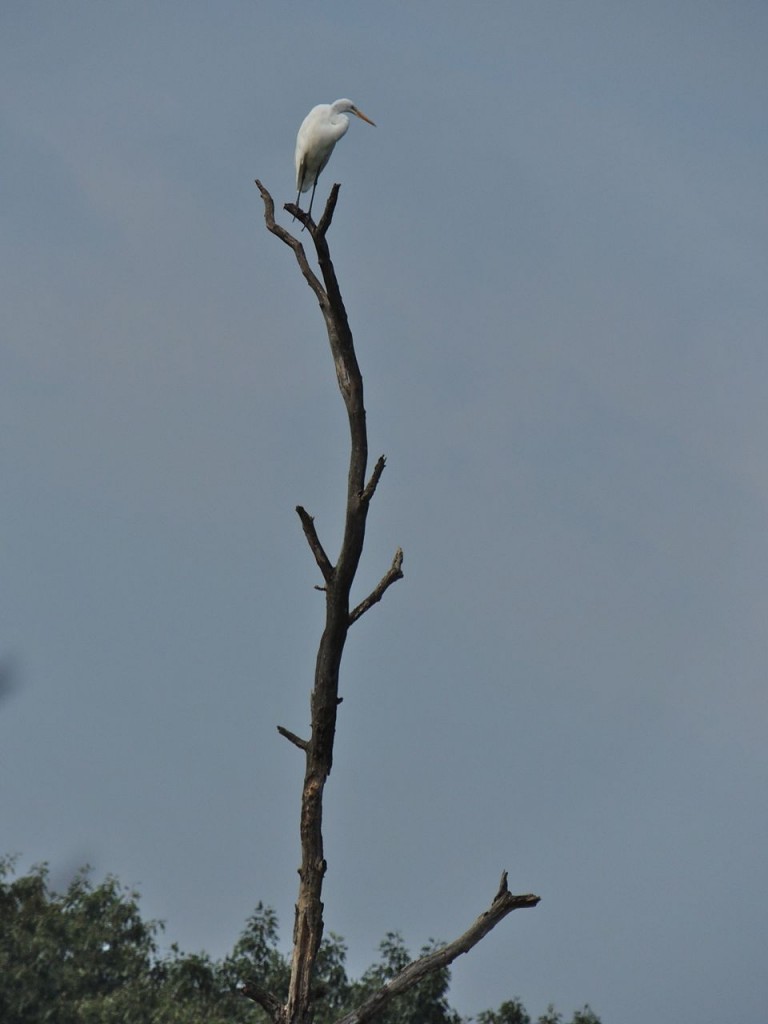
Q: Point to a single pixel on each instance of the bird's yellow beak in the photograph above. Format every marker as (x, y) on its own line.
(362, 117)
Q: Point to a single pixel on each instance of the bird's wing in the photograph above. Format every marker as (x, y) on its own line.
(301, 173)
(324, 163)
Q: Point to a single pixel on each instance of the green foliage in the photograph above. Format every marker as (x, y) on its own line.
(510, 1012)
(585, 1016)
(60, 955)
(550, 1017)
(86, 956)
(333, 989)
(513, 1012)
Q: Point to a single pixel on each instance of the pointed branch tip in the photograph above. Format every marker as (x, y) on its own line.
(297, 741)
(503, 887)
(370, 487)
(325, 221)
(322, 559)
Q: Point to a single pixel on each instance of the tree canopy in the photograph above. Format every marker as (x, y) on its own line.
(86, 956)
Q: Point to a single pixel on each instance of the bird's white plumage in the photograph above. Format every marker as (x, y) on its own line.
(320, 130)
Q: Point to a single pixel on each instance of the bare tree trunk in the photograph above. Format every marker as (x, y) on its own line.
(338, 579)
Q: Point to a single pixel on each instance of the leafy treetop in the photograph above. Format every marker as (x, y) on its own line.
(86, 956)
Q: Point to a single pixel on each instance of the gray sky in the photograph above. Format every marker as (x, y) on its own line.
(553, 252)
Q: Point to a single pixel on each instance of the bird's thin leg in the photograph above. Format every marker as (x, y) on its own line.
(312, 198)
(298, 197)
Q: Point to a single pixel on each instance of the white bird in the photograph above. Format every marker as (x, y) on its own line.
(320, 130)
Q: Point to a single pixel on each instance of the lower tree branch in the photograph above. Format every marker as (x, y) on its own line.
(504, 903)
(263, 997)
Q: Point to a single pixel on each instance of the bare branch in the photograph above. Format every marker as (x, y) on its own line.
(293, 243)
(263, 997)
(269, 205)
(323, 561)
(503, 887)
(503, 904)
(370, 488)
(297, 741)
(325, 221)
(395, 572)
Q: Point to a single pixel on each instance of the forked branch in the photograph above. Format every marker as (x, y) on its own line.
(291, 242)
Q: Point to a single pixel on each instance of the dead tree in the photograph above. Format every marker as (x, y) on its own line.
(339, 616)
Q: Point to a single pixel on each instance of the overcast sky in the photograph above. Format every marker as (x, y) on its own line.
(553, 250)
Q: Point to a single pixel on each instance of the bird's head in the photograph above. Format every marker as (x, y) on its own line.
(348, 107)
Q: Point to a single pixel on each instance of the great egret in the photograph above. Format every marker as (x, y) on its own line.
(320, 130)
